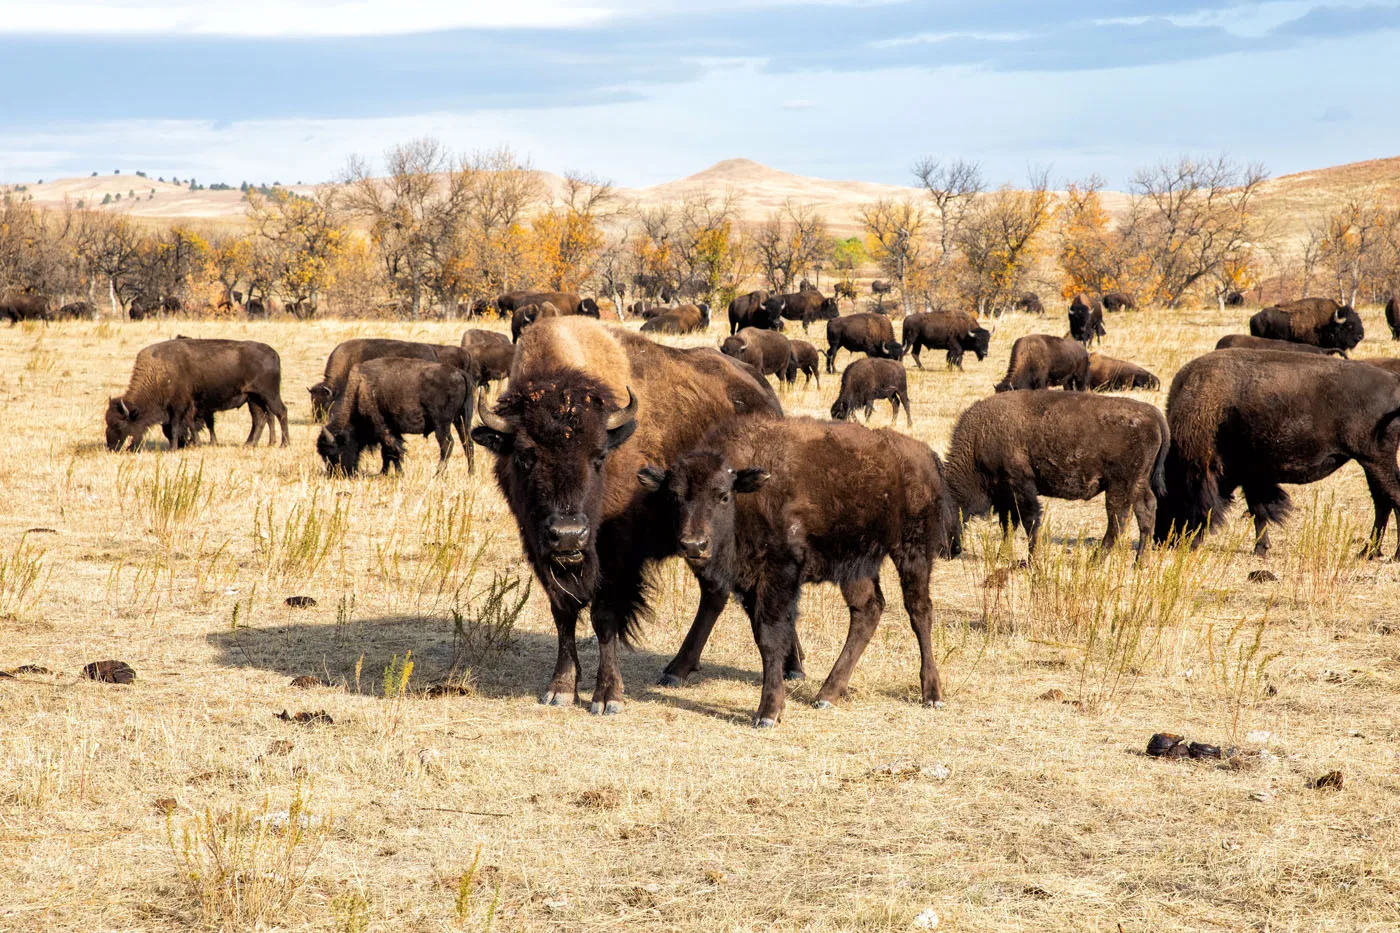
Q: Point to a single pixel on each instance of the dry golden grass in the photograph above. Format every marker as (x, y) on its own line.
(180, 802)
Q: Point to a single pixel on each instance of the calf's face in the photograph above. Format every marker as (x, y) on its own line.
(702, 487)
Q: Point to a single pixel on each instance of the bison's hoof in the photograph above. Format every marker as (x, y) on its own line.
(611, 708)
(934, 704)
(551, 698)
(823, 704)
(795, 675)
(765, 723)
(670, 680)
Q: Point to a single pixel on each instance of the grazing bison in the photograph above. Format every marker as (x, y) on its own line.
(18, 306)
(1318, 322)
(567, 303)
(804, 360)
(865, 381)
(954, 331)
(1392, 316)
(352, 352)
(1246, 342)
(1039, 361)
(180, 384)
(1086, 319)
(1108, 374)
(1253, 419)
(751, 310)
(846, 289)
(868, 333)
(491, 351)
(767, 351)
(683, 319)
(879, 287)
(76, 311)
(389, 397)
(1234, 299)
(587, 407)
(1030, 303)
(805, 306)
(763, 506)
(256, 308)
(1117, 301)
(1008, 450)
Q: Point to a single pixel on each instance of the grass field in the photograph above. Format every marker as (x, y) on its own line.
(180, 801)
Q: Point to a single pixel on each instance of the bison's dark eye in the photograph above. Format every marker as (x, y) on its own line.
(525, 456)
(724, 497)
(599, 460)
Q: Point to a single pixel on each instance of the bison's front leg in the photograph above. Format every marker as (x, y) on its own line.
(775, 630)
(563, 686)
(614, 610)
(687, 661)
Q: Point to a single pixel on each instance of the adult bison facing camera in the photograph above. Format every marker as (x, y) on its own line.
(587, 407)
(1318, 322)
(1252, 419)
(1086, 319)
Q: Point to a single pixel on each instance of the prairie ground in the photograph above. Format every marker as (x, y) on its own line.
(179, 801)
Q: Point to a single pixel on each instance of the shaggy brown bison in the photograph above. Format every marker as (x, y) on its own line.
(1117, 301)
(764, 506)
(865, 381)
(1039, 361)
(1246, 342)
(846, 289)
(683, 319)
(567, 303)
(180, 384)
(954, 331)
(868, 333)
(1233, 299)
(804, 359)
(1030, 303)
(389, 397)
(1392, 317)
(1109, 375)
(767, 351)
(351, 352)
(1007, 450)
(804, 306)
(1389, 365)
(751, 310)
(18, 306)
(1086, 319)
(1318, 322)
(1252, 419)
(76, 311)
(587, 407)
(491, 351)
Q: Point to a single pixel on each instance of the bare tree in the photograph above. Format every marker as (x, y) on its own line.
(1351, 244)
(897, 228)
(998, 241)
(792, 241)
(298, 239)
(952, 188)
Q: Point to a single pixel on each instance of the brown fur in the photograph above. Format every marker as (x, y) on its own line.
(1247, 342)
(360, 349)
(18, 306)
(492, 352)
(866, 332)
(954, 331)
(1392, 317)
(804, 306)
(567, 303)
(1039, 361)
(682, 319)
(865, 381)
(1086, 319)
(1311, 321)
(1109, 375)
(805, 359)
(767, 351)
(1007, 450)
(748, 311)
(1389, 365)
(76, 311)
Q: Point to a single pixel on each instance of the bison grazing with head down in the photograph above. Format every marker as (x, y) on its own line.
(491, 351)
(1039, 361)
(1030, 303)
(1107, 375)
(954, 331)
(360, 349)
(1086, 319)
(1008, 450)
(1246, 342)
(180, 384)
(1253, 419)
(586, 408)
(1117, 301)
(865, 381)
(763, 506)
(683, 319)
(1319, 322)
(805, 306)
(767, 351)
(76, 311)
(389, 397)
(867, 332)
(752, 310)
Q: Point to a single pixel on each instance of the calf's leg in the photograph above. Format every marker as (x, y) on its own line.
(867, 604)
(775, 629)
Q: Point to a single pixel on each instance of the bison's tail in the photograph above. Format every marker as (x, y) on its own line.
(1193, 504)
(1159, 468)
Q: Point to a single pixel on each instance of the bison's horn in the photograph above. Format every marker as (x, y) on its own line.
(1339, 317)
(326, 433)
(489, 418)
(623, 415)
(123, 408)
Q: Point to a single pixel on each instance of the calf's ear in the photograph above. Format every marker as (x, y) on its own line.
(498, 442)
(750, 479)
(651, 477)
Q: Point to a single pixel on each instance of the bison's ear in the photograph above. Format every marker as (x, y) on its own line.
(750, 479)
(498, 442)
(652, 478)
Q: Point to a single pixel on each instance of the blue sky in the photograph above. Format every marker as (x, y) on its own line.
(642, 92)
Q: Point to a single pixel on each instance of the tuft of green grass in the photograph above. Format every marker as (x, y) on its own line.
(298, 546)
(171, 499)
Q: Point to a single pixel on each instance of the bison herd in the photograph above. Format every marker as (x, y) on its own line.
(615, 452)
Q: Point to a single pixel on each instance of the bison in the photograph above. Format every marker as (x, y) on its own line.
(767, 351)
(804, 359)
(18, 306)
(846, 289)
(1108, 375)
(867, 332)
(763, 506)
(752, 310)
(1039, 361)
(1253, 419)
(389, 397)
(492, 352)
(1389, 365)
(1030, 303)
(180, 384)
(1086, 319)
(805, 306)
(683, 319)
(865, 381)
(1117, 301)
(1318, 322)
(1246, 342)
(587, 407)
(1392, 317)
(1233, 299)
(956, 331)
(351, 352)
(1008, 450)
(76, 311)
(567, 303)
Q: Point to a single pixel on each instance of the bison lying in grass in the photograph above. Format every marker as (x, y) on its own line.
(683, 319)
(1108, 375)
(763, 506)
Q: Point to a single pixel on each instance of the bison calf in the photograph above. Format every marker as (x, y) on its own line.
(763, 506)
(865, 381)
(392, 396)
(1008, 450)
(1108, 375)
(1039, 361)
(804, 360)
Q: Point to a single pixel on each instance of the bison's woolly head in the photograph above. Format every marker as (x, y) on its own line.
(1343, 330)
(702, 488)
(122, 420)
(321, 397)
(588, 307)
(552, 436)
(979, 341)
(891, 350)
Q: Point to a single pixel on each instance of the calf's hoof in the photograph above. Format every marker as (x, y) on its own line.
(765, 723)
(553, 698)
(610, 708)
(823, 704)
(934, 704)
(795, 674)
(670, 680)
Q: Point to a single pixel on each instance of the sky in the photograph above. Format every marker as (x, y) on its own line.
(644, 91)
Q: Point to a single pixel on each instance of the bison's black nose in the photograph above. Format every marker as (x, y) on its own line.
(696, 548)
(566, 532)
